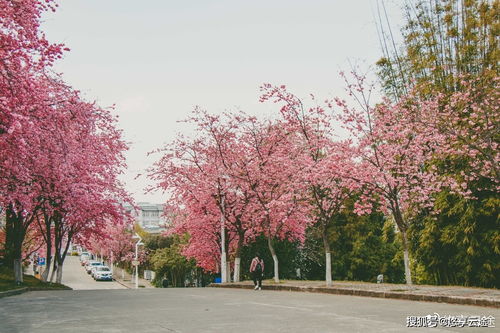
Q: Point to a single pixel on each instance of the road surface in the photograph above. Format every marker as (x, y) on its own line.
(218, 310)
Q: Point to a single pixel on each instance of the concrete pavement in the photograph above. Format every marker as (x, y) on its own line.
(217, 310)
(440, 294)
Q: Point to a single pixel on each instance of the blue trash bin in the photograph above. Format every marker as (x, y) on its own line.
(218, 280)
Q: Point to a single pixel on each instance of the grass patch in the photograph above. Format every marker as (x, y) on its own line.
(7, 282)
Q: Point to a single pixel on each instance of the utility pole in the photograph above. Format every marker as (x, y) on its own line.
(223, 259)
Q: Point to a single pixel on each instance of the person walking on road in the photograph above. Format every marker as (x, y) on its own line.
(257, 271)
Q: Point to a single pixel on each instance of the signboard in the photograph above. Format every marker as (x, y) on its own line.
(135, 262)
(41, 261)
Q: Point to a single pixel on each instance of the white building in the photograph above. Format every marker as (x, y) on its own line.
(149, 216)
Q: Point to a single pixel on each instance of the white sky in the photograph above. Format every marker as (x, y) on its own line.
(157, 59)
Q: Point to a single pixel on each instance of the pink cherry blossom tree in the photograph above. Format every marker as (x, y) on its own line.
(198, 173)
(25, 55)
(270, 170)
(395, 149)
(469, 121)
(327, 170)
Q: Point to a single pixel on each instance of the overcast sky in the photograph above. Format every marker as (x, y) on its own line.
(157, 59)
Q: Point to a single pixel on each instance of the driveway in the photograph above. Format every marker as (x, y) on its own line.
(76, 277)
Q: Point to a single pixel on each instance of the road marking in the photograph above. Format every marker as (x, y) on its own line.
(282, 306)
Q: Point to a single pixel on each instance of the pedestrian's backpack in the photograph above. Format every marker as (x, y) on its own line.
(258, 267)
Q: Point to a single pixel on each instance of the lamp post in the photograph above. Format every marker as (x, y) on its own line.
(136, 261)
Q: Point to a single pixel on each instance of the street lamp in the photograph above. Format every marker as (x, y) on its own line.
(136, 260)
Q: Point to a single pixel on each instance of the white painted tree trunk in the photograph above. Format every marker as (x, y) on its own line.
(224, 273)
(403, 228)
(18, 271)
(237, 265)
(59, 273)
(276, 270)
(407, 265)
(328, 258)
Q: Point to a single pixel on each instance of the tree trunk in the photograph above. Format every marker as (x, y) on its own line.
(228, 270)
(275, 260)
(328, 258)
(237, 265)
(60, 257)
(45, 274)
(48, 253)
(16, 231)
(9, 240)
(406, 258)
(403, 228)
(237, 259)
(54, 270)
(18, 271)
(59, 273)
(48, 243)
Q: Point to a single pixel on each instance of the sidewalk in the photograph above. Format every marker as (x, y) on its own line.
(127, 280)
(445, 294)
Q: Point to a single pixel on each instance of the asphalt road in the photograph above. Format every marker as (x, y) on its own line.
(215, 310)
(75, 276)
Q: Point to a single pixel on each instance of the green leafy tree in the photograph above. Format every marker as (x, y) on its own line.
(168, 262)
(365, 246)
(362, 248)
(287, 251)
(444, 42)
(462, 245)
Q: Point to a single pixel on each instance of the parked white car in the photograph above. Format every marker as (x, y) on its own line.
(84, 256)
(93, 269)
(91, 264)
(102, 273)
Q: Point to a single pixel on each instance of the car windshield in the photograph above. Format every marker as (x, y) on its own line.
(96, 264)
(103, 269)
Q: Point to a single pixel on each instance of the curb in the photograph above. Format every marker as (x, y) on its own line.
(133, 286)
(13, 292)
(123, 284)
(26, 289)
(378, 294)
